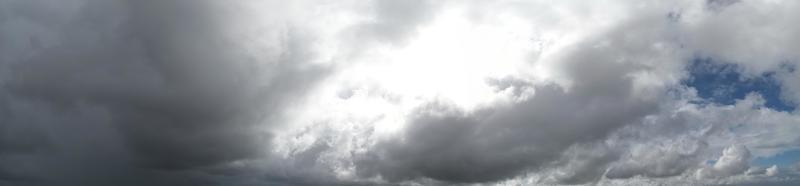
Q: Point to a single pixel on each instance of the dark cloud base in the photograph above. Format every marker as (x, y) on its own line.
(138, 93)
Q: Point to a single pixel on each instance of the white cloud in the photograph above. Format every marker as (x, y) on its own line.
(734, 160)
(772, 171)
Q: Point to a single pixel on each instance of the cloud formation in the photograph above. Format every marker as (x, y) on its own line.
(125, 89)
(734, 160)
(386, 92)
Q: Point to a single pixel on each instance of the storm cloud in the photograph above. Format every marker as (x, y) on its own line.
(131, 88)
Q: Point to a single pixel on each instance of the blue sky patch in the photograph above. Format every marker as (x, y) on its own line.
(722, 83)
(783, 159)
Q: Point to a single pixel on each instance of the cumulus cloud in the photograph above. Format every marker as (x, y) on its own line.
(391, 92)
(772, 171)
(734, 160)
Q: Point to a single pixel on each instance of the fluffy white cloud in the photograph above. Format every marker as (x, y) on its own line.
(734, 160)
(772, 171)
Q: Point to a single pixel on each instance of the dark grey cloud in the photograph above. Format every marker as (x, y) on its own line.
(138, 92)
(584, 163)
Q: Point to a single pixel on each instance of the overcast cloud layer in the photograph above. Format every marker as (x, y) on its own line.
(399, 92)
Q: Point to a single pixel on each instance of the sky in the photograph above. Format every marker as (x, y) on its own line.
(399, 92)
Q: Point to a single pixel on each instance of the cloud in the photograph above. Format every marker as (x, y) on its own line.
(772, 171)
(127, 89)
(389, 92)
(734, 160)
(712, 33)
(393, 21)
(655, 161)
(499, 142)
